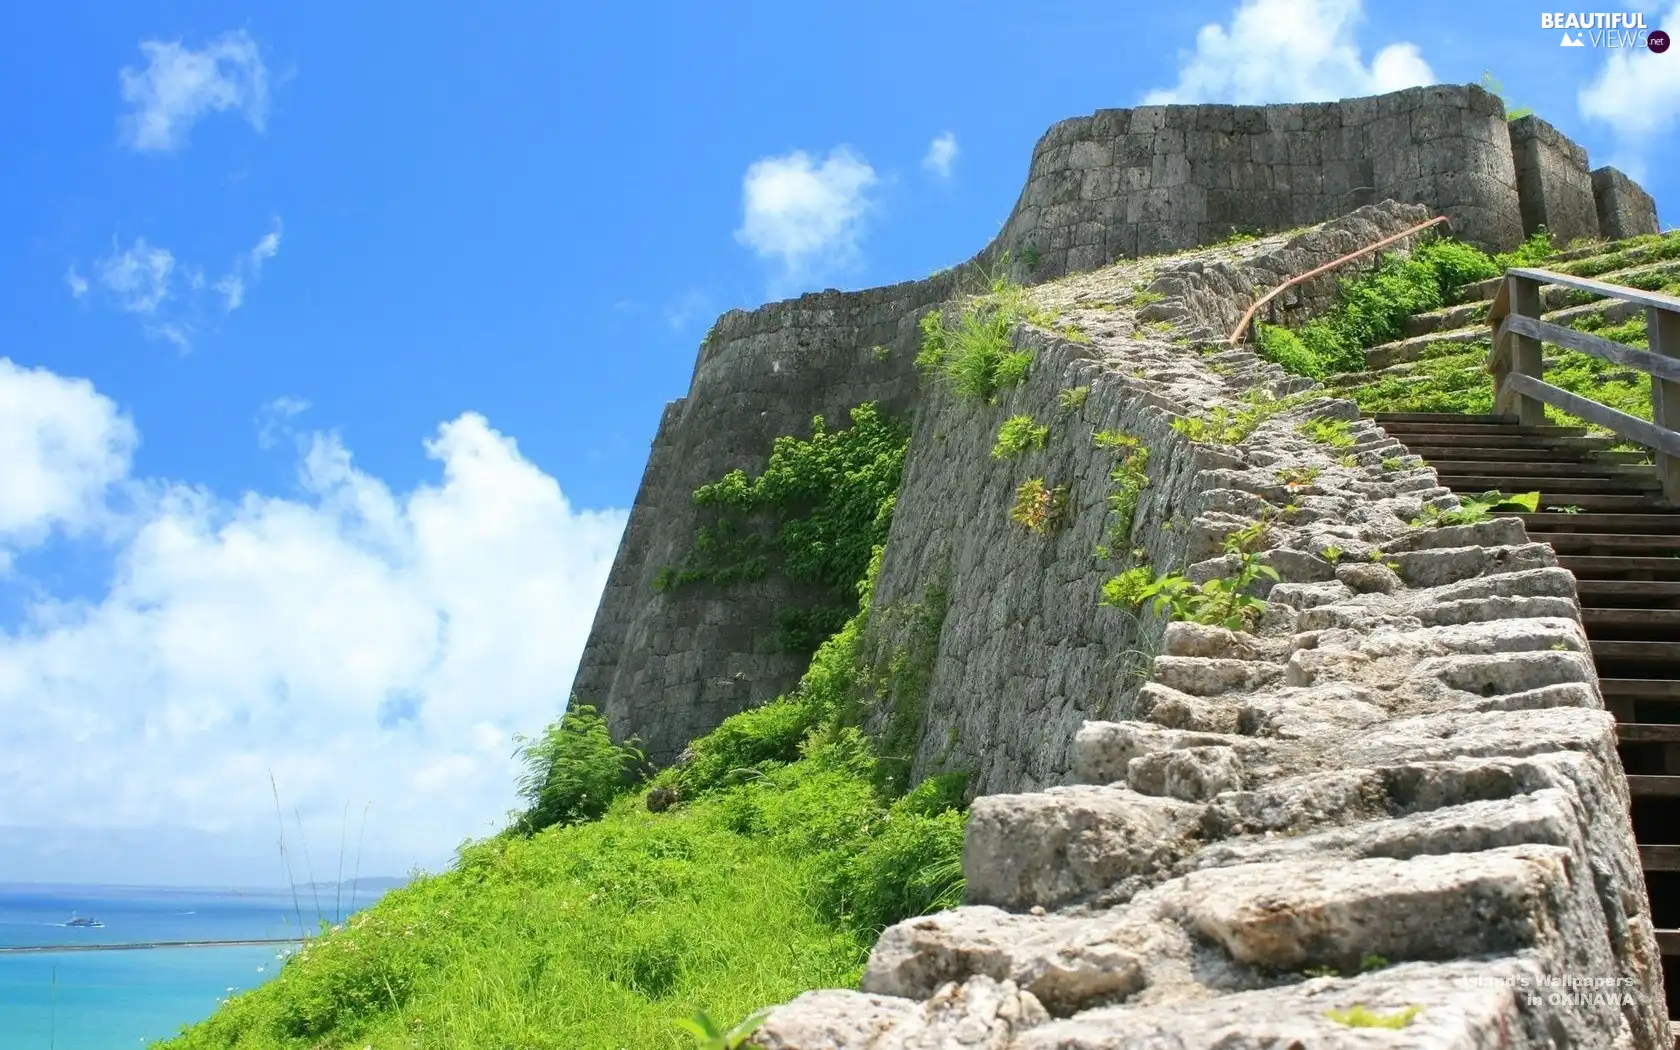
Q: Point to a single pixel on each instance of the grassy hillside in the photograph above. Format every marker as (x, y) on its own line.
(783, 846)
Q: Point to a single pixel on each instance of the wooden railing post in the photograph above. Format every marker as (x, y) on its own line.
(1662, 330)
(1525, 358)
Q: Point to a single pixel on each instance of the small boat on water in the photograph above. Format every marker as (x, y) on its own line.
(91, 924)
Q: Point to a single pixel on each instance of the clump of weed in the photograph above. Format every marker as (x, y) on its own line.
(1038, 507)
(1019, 434)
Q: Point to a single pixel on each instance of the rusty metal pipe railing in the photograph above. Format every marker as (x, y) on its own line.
(1242, 325)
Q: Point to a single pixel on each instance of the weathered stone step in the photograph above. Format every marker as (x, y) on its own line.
(1402, 351)
(1545, 522)
(1598, 544)
(1549, 487)
(1540, 469)
(1552, 496)
(1552, 297)
(1595, 567)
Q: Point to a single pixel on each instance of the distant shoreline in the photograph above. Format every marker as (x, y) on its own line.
(143, 945)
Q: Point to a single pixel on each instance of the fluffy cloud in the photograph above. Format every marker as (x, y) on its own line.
(805, 215)
(180, 85)
(942, 151)
(75, 282)
(1637, 94)
(360, 643)
(63, 445)
(139, 276)
(247, 269)
(1289, 51)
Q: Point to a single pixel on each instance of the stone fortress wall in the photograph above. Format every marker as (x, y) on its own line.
(669, 666)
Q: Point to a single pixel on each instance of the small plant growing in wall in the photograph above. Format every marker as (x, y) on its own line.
(1359, 1016)
(974, 353)
(1129, 477)
(1073, 398)
(1019, 434)
(1478, 508)
(1334, 433)
(1038, 507)
(1219, 602)
(1297, 477)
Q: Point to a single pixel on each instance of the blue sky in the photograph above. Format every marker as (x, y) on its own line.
(335, 336)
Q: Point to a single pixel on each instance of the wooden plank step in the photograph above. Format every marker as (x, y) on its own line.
(1575, 469)
(1643, 619)
(1653, 786)
(1647, 733)
(1668, 941)
(1653, 652)
(1601, 543)
(1548, 486)
(1645, 589)
(1538, 456)
(1560, 447)
(1489, 429)
(1661, 690)
(1386, 418)
(1659, 858)
(1613, 568)
(1654, 523)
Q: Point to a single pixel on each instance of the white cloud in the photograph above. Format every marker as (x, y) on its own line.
(63, 444)
(806, 216)
(75, 282)
(138, 276)
(247, 269)
(942, 151)
(180, 85)
(362, 643)
(273, 422)
(1637, 94)
(1289, 51)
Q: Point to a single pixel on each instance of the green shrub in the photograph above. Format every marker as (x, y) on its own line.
(573, 771)
(910, 864)
(746, 743)
(1019, 434)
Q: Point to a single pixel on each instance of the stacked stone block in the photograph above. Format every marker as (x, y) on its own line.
(1553, 185)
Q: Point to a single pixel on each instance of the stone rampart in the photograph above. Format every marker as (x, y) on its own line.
(1121, 183)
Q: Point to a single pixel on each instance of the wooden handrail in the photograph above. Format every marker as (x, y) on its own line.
(1517, 364)
(1242, 325)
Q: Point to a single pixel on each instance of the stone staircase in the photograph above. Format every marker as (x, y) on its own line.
(1622, 542)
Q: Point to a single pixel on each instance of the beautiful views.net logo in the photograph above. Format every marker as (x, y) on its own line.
(1605, 29)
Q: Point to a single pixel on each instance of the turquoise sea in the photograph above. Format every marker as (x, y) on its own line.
(111, 999)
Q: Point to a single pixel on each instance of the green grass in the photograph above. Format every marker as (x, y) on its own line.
(973, 352)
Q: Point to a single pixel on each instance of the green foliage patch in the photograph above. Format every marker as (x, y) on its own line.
(973, 351)
(1019, 434)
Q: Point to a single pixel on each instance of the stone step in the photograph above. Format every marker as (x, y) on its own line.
(1601, 544)
(1602, 568)
(1403, 351)
(1551, 489)
(1551, 496)
(1554, 446)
